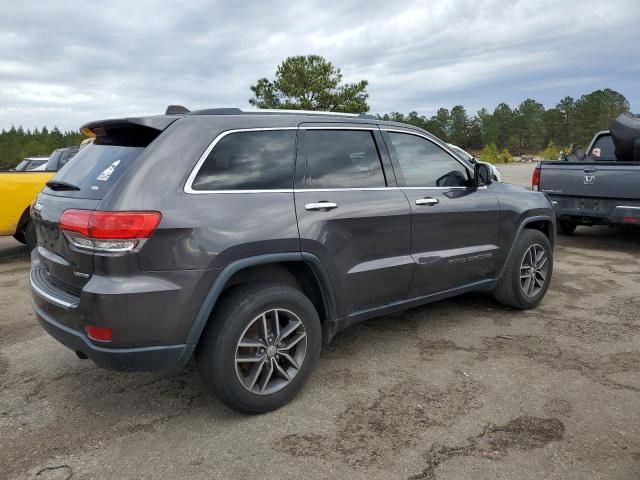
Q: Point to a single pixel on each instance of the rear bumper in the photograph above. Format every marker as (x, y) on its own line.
(123, 359)
(596, 211)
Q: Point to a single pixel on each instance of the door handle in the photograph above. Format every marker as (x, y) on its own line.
(321, 206)
(427, 201)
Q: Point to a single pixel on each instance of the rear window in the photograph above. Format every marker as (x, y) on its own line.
(94, 170)
(603, 149)
(260, 160)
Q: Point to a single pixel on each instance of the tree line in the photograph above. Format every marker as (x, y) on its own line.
(529, 127)
(17, 143)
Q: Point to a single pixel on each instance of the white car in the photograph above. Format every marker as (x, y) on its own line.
(497, 176)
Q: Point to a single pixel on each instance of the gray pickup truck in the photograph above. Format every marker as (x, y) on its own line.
(601, 187)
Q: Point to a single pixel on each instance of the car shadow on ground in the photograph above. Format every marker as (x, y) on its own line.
(618, 239)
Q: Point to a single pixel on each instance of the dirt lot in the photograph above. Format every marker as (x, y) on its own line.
(459, 389)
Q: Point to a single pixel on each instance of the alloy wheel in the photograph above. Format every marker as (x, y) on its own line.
(533, 270)
(271, 351)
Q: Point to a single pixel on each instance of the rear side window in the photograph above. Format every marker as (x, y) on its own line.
(94, 170)
(261, 160)
(343, 159)
(424, 164)
(603, 149)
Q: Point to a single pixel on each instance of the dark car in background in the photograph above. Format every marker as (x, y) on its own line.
(59, 158)
(249, 238)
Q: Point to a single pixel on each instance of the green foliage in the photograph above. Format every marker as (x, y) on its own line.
(310, 83)
(16, 143)
(490, 153)
(505, 156)
(529, 127)
(550, 153)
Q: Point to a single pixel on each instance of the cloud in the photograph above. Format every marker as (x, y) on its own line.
(65, 65)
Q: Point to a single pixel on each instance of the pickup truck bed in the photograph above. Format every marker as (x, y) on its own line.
(593, 193)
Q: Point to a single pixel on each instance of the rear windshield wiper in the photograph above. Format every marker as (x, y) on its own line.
(59, 186)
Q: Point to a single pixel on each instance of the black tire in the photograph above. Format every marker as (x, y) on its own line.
(510, 289)
(235, 312)
(29, 233)
(19, 236)
(566, 228)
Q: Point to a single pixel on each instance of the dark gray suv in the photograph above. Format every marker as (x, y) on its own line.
(248, 239)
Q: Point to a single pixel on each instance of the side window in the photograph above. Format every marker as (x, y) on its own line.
(424, 164)
(343, 159)
(261, 160)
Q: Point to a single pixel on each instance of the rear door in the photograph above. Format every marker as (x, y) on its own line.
(82, 185)
(455, 227)
(352, 216)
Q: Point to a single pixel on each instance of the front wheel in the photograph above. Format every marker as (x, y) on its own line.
(527, 276)
(262, 343)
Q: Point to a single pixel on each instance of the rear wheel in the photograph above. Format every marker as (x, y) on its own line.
(566, 228)
(262, 343)
(527, 275)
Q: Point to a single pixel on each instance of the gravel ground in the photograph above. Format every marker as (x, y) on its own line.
(462, 389)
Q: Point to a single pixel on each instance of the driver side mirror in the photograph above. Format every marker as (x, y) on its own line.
(482, 174)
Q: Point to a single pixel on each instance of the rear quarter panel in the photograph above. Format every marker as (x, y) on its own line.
(17, 191)
(519, 205)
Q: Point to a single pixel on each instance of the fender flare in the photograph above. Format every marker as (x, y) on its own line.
(216, 289)
(521, 227)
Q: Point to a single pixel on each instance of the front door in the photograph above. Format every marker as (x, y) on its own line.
(352, 216)
(455, 226)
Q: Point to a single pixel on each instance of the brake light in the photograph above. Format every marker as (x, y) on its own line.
(108, 231)
(101, 334)
(535, 179)
(631, 220)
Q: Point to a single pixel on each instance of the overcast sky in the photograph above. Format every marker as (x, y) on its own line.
(66, 63)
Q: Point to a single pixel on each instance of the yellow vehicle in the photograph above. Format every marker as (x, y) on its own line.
(17, 191)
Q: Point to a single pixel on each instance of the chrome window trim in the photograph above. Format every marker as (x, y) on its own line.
(446, 148)
(188, 187)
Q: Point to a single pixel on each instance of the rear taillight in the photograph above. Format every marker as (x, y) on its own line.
(108, 231)
(535, 179)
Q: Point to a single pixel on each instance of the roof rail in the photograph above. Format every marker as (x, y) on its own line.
(276, 111)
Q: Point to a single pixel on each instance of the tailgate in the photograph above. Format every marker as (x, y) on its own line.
(63, 266)
(591, 179)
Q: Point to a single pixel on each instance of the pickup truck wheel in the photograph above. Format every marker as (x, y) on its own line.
(527, 275)
(566, 228)
(262, 343)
